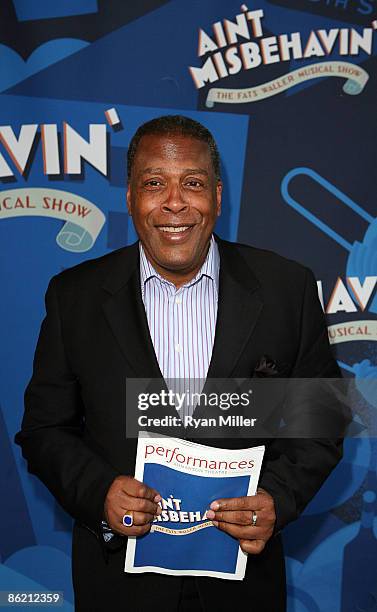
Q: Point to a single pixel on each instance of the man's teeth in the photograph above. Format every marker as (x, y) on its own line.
(173, 230)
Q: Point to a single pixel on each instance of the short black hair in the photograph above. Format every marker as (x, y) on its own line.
(174, 124)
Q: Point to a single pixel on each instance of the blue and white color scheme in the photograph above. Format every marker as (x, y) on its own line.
(290, 98)
(189, 476)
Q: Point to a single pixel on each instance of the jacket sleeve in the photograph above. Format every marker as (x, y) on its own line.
(295, 468)
(51, 435)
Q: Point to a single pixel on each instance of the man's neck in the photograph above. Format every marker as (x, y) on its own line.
(179, 277)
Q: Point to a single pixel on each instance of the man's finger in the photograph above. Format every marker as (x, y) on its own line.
(140, 525)
(239, 517)
(134, 487)
(250, 502)
(137, 504)
(135, 530)
(139, 518)
(252, 547)
(243, 533)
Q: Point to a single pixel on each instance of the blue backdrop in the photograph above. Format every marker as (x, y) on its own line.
(288, 89)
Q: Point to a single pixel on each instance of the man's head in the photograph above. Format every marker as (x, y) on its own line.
(174, 193)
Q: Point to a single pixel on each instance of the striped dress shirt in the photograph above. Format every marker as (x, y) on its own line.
(182, 322)
(182, 327)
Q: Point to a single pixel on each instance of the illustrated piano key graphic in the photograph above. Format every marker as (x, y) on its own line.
(362, 258)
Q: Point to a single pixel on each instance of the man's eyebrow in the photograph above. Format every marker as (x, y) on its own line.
(196, 171)
(150, 171)
(185, 171)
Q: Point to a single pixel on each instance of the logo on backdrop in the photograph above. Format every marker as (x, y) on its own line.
(83, 219)
(350, 295)
(356, 293)
(226, 53)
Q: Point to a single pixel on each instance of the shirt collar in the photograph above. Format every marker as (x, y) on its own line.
(210, 268)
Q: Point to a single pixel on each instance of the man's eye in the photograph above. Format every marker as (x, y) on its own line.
(152, 183)
(194, 183)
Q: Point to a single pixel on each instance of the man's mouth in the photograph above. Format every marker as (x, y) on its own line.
(174, 229)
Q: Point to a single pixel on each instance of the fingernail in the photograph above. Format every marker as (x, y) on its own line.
(159, 509)
(215, 505)
(157, 498)
(215, 523)
(210, 514)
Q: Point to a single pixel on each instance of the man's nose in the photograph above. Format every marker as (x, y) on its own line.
(174, 201)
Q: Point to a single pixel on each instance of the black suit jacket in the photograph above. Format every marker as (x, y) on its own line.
(94, 336)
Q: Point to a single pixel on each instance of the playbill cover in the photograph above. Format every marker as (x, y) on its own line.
(189, 476)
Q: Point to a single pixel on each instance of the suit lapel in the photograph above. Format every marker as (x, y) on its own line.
(125, 313)
(239, 307)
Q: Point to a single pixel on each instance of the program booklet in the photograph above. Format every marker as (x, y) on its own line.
(182, 541)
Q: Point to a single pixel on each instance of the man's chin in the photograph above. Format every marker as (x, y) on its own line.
(177, 258)
(182, 265)
(175, 255)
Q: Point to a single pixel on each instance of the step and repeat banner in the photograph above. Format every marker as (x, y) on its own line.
(289, 90)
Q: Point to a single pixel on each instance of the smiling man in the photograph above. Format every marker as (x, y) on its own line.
(174, 196)
(179, 303)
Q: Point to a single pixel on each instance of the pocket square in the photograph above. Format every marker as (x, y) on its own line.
(266, 366)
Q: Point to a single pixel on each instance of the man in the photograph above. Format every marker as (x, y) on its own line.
(180, 303)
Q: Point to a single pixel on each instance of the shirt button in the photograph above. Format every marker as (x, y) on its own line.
(178, 300)
(178, 348)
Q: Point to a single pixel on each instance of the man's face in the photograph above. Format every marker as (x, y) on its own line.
(174, 199)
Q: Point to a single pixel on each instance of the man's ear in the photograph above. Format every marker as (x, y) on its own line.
(219, 191)
(128, 200)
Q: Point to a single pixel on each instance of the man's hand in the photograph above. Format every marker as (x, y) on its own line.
(234, 515)
(128, 495)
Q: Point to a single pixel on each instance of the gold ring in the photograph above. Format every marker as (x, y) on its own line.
(254, 519)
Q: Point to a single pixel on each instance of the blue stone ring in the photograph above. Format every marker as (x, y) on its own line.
(128, 519)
